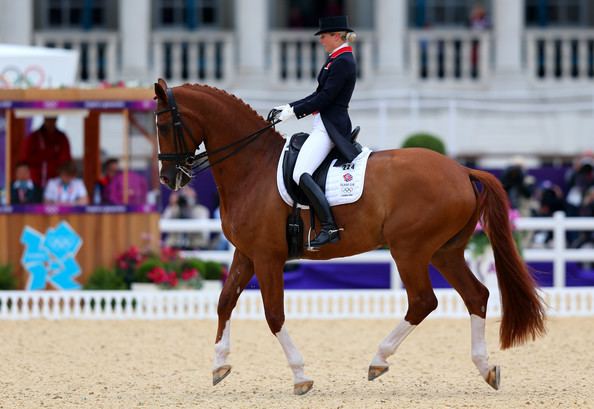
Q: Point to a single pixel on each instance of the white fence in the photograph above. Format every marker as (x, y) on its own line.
(202, 56)
(297, 56)
(450, 56)
(558, 253)
(336, 304)
(97, 51)
(560, 55)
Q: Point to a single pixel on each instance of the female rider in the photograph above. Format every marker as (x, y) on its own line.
(331, 123)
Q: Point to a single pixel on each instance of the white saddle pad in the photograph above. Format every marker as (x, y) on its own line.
(344, 184)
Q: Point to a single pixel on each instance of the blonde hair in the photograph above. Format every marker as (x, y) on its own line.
(348, 37)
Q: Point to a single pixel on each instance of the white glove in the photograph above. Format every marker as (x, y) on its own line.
(281, 107)
(286, 113)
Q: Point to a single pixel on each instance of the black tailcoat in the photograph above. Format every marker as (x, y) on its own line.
(336, 82)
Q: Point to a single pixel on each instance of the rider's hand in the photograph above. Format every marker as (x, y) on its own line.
(286, 113)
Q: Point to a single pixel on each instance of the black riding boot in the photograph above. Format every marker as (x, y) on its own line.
(319, 203)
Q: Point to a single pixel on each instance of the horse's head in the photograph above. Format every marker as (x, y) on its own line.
(176, 142)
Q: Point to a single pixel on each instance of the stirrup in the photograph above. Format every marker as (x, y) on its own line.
(330, 233)
(309, 247)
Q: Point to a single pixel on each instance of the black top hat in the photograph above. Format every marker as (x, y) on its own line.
(334, 24)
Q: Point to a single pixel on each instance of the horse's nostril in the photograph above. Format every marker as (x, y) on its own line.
(164, 180)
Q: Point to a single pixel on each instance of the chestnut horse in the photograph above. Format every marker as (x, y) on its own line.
(424, 206)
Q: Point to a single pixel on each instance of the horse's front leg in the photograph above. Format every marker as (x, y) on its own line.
(270, 277)
(240, 273)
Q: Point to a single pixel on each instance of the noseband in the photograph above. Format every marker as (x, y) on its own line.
(184, 158)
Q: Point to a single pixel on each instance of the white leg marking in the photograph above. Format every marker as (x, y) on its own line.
(223, 347)
(293, 356)
(391, 342)
(479, 346)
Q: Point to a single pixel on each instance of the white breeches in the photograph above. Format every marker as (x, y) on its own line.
(314, 150)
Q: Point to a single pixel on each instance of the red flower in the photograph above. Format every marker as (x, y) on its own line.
(172, 279)
(157, 275)
(169, 254)
(188, 274)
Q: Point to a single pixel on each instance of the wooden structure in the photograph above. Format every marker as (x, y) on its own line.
(105, 231)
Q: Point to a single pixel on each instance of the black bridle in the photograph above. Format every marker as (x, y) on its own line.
(184, 158)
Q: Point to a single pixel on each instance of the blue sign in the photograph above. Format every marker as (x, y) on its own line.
(51, 258)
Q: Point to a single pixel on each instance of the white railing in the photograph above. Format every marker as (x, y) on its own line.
(201, 56)
(299, 304)
(560, 55)
(558, 253)
(450, 56)
(297, 56)
(97, 52)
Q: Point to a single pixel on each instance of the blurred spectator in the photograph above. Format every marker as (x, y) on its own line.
(183, 204)
(110, 168)
(579, 179)
(585, 238)
(333, 8)
(296, 19)
(23, 189)
(220, 242)
(478, 18)
(549, 199)
(478, 21)
(518, 186)
(45, 150)
(134, 183)
(66, 188)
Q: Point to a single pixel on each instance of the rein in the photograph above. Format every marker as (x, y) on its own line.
(185, 158)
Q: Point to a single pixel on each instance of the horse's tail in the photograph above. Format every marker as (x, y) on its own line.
(522, 308)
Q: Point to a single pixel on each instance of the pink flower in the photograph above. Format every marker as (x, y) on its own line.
(514, 215)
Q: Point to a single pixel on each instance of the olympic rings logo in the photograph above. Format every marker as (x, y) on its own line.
(12, 76)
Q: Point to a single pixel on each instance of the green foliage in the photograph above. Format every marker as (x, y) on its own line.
(193, 263)
(212, 270)
(165, 268)
(7, 279)
(145, 267)
(105, 279)
(479, 242)
(425, 140)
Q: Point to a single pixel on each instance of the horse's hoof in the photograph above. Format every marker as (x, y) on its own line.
(302, 388)
(493, 377)
(220, 373)
(375, 371)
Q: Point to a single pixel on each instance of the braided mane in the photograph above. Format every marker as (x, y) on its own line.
(232, 98)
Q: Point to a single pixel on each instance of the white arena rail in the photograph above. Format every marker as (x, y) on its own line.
(299, 304)
(558, 254)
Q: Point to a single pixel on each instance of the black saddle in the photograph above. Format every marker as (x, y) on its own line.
(320, 175)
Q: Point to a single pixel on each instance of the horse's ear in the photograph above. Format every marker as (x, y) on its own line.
(160, 88)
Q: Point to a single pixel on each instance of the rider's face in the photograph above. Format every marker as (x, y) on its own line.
(330, 41)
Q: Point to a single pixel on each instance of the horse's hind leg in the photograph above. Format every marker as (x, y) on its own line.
(421, 301)
(240, 273)
(451, 264)
(270, 278)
